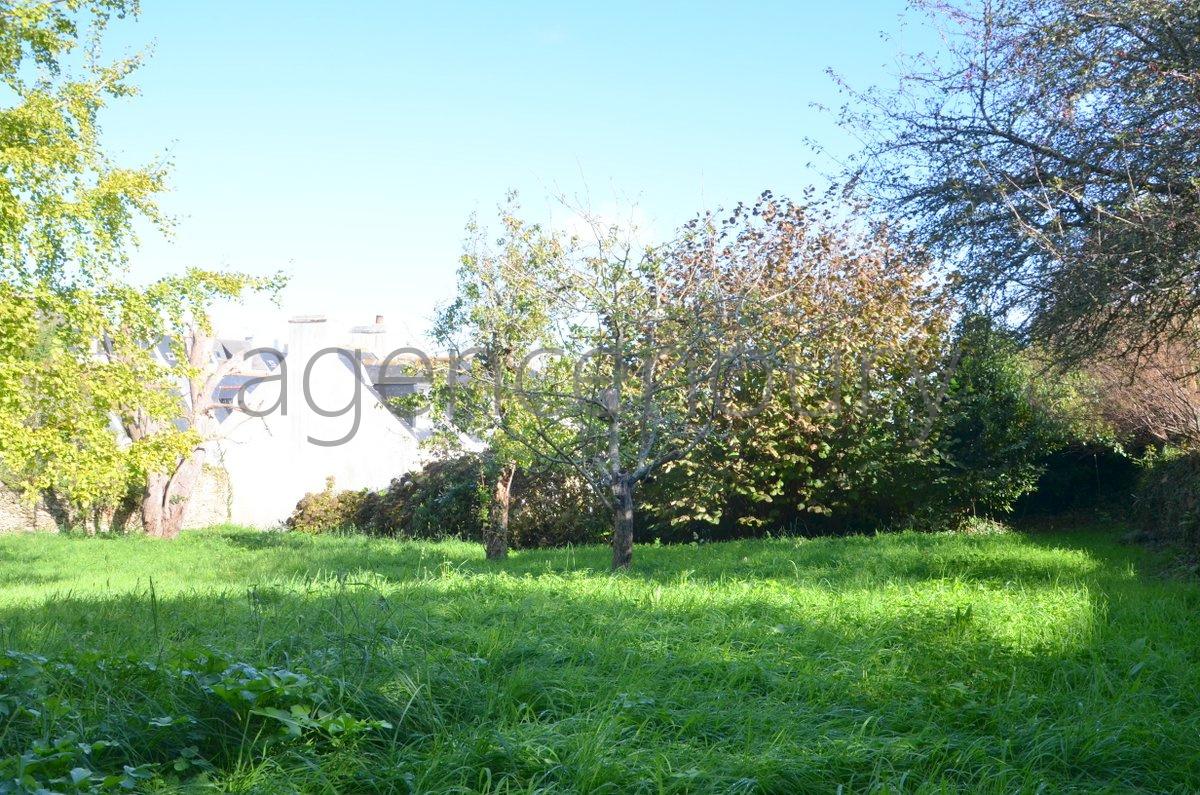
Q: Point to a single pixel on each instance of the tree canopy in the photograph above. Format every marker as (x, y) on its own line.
(1050, 154)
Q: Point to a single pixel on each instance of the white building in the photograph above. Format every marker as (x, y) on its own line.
(318, 415)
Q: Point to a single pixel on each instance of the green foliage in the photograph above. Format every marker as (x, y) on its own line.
(68, 212)
(220, 710)
(816, 422)
(1166, 502)
(67, 215)
(443, 499)
(952, 425)
(57, 401)
(496, 319)
(327, 510)
(946, 662)
(77, 356)
(552, 507)
(1001, 418)
(448, 498)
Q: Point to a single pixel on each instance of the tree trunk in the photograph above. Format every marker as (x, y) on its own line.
(152, 504)
(622, 524)
(495, 535)
(167, 498)
(59, 511)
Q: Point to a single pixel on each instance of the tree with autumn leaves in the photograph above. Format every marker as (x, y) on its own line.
(716, 362)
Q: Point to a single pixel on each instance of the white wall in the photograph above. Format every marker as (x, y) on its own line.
(272, 461)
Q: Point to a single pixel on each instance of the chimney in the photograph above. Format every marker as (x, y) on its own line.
(379, 320)
(306, 336)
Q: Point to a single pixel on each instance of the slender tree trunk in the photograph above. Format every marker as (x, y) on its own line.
(622, 524)
(495, 539)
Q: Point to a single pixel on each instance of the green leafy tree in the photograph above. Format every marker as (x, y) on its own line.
(862, 321)
(58, 400)
(164, 333)
(1003, 414)
(66, 210)
(77, 361)
(498, 317)
(66, 217)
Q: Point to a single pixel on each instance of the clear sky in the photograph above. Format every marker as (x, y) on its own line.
(347, 143)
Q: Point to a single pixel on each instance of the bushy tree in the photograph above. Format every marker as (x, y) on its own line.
(77, 361)
(825, 410)
(1050, 152)
(58, 401)
(164, 333)
(66, 217)
(1003, 413)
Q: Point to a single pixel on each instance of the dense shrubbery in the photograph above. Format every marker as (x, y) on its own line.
(985, 446)
(1167, 501)
(440, 500)
(1001, 421)
(998, 424)
(446, 499)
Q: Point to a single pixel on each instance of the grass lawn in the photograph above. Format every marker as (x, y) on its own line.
(284, 663)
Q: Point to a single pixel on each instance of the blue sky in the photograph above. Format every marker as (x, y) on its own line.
(348, 143)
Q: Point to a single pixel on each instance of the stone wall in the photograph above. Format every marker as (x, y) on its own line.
(210, 506)
(212, 501)
(17, 516)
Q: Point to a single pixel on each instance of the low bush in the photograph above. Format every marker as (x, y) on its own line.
(1166, 504)
(440, 500)
(323, 511)
(446, 499)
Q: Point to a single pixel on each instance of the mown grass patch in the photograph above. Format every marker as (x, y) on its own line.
(904, 662)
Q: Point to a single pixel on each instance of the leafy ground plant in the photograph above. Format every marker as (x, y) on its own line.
(272, 662)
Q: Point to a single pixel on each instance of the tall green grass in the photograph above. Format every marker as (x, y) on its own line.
(902, 662)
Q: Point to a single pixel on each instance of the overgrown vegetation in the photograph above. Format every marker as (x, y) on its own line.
(972, 441)
(1167, 501)
(991, 662)
(79, 344)
(449, 498)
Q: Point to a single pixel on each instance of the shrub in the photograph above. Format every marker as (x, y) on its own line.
(1002, 420)
(323, 511)
(551, 508)
(440, 500)
(1167, 501)
(896, 461)
(446, 499)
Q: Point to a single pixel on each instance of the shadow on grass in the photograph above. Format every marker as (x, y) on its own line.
(736, 685)
(994, 662)
(852, 560)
